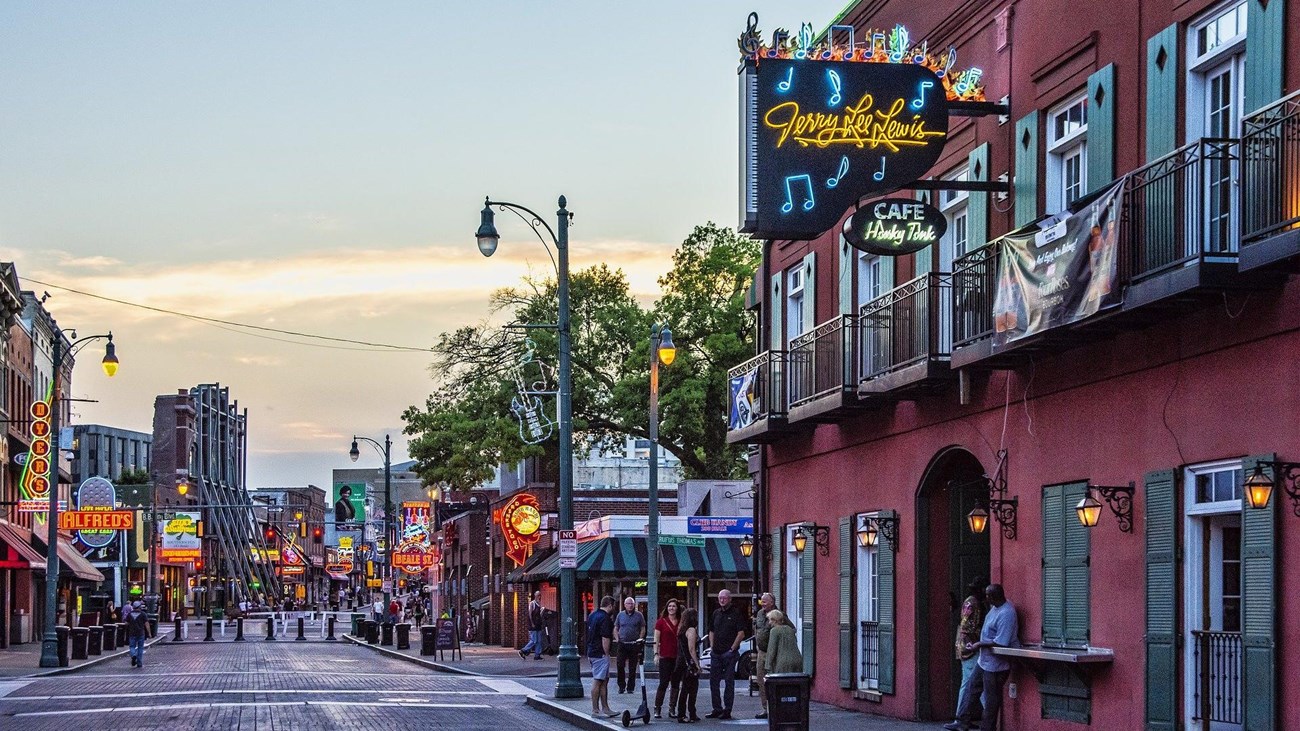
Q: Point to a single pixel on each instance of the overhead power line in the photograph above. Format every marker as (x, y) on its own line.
(218, 322)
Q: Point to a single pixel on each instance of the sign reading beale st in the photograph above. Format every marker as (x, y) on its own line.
(826, 122)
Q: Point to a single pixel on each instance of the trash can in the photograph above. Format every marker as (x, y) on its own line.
(387, 637)
(108, 637)
(121, 634)
(404, 636)
(218, 613)
(357, 626)
(79, 637)
(428, 639)
(372, 631)
(787, 701)
(62, 634)
(96, 640)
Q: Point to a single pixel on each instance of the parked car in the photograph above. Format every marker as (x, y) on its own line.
(744, 668)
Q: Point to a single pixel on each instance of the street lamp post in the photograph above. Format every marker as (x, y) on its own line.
(663, 351)
(385, 449)
(50, 638)
(568, 683)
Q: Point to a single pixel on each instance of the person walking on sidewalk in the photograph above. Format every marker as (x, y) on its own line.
(666, 629)
(762, 627)
(600, 636)
(536, 627)
(137, 630)
(688, 666)
(630, 629)
(726, 630)
(417, 613)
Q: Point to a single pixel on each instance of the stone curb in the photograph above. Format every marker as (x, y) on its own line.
(87, 663)
(417, 660)
(570, 716)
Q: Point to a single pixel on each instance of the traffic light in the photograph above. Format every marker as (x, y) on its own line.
(270, 533)
(370, 568)
(318, 534)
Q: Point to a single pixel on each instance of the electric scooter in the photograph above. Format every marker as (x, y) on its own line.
(643, 712)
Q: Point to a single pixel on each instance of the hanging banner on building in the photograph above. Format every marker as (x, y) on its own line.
(894, 226)
(179, 535)
(743, 399)
(417, 522)
(1059, 272)
(826, 123)
(521, 525)
(349, 506)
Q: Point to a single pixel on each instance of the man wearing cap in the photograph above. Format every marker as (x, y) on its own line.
(137, 629)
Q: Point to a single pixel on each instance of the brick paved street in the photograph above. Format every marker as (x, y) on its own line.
(262, 685)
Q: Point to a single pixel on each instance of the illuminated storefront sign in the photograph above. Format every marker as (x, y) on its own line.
(96, 494)
(826, 123)
(894, 226)
(416, 522)
(521, 525)
(413, 557)
(180, 537)
(97, 520)
(35, 483)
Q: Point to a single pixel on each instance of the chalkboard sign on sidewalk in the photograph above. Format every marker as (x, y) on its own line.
(447, 638)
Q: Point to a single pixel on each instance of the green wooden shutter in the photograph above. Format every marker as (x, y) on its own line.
(1026, 182)
(1053, 565)
(846, 602)
(810, 291)
(1075, 569)
(977, 206)
(1266, 20)
(1101, 128)
(775, 308)
(808, 601)
(1258, 605)
(1162, 679)
(846, 277)
(774, 568)
(885, 609)
(1162, 93)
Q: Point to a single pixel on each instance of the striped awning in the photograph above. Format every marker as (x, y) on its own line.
(626, 558)
(717, 558)
(535, 560)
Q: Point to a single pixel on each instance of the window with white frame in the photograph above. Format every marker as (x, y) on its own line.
(794, 324)
(793, 590)
(871, 277)
(953, 203)
(1067, 153)
(867, 609)
(1216, 68)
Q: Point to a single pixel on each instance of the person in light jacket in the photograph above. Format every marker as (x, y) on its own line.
(783, 654)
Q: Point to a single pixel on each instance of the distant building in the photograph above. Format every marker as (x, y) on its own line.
(106, 451)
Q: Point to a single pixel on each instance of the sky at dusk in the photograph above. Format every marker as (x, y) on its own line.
(319, 167)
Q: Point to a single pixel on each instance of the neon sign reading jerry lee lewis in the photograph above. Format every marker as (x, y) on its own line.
(824, 124)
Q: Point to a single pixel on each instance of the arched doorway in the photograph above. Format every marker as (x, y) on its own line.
(949, 557)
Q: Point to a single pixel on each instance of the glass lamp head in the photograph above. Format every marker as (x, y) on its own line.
(978, 520)
(1089, 511)
(487, 232)
(800, 540)
(110, 362)
(354, 454)
(747, 546)
(1258, 488)
(667, 351)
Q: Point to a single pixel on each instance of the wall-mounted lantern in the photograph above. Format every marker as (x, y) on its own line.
(1120, 500)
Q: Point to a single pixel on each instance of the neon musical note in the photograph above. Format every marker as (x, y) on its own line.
(880, 174)
(784, 85)
(898, 44)
(836, 85)
(966, 83)
(839, 174)
(919, 101)
(920, 52)
(789, 196)
(948, 63)
(877, 42)
(831, 36)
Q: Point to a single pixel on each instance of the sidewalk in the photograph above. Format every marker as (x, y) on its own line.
(503, 661)
(24, 661)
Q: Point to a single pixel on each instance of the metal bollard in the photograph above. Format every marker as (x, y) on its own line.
(179, 631)
(330, 622)
(301, 637)
(239, 629)
(270, 629)
(208, 636)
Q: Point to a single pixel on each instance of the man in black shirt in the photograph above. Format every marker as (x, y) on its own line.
(726, 631)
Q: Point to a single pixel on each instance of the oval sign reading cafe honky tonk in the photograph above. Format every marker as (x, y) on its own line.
(894, 226)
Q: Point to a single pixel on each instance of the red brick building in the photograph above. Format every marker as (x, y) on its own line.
(1181, 389)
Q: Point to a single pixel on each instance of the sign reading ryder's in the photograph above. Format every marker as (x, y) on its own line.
(894, 226)
(826, 122)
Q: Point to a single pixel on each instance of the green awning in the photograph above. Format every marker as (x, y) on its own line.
(717, 558)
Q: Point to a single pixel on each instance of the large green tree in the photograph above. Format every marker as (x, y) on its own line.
(466, 427)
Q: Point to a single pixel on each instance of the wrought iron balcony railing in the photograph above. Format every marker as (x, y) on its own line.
(869, 650)
(906, 325)
(1217, 657)
(821, 360)
(1270, 170)
(1180, 209)
(973, 276)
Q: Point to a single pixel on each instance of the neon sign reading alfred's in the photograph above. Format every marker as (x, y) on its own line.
(859, 125)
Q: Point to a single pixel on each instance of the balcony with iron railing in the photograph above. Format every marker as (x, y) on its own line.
(906, 337)
(758, 399)
(1179, 237)
(1217, 696)
(1270, 186)
(823, 368)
